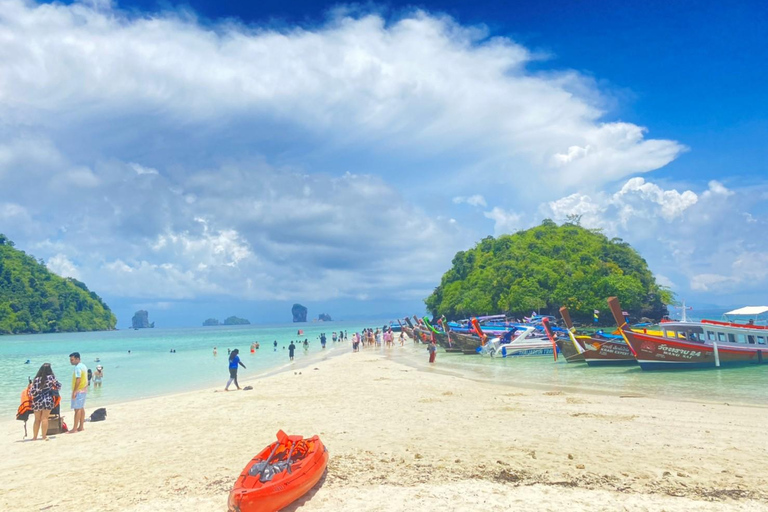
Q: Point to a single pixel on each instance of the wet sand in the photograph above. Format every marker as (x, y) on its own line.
(401, 436)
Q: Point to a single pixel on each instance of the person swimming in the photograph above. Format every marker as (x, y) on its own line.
(27, 361)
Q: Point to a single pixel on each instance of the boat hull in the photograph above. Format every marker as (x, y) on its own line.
(656, 353)
(468, 344)
(569, 352)
(601, 352)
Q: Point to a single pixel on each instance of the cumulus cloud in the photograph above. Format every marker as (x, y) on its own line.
(699, 242)
(172, 159)
(60, 264)
(505, 222)
(475, 200)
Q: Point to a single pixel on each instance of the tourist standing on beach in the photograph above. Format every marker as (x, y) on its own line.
(98, 376)
(42, 390)
(322, 340)
(214, 351)
(432, 352)
(291, 349)
(234, 360)
(79, 387)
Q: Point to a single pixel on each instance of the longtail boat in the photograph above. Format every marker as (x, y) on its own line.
(568, 345)
(599, 350)
(704, 344)
(466, 343)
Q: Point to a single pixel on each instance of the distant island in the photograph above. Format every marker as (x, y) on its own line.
(140, 320)
(322, 317)
(35, 300)
(232, 320)
(299, 313)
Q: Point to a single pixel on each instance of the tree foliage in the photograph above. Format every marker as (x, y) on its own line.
(546, 267)
(34, 300)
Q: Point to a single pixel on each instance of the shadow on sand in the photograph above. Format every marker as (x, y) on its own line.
(293, 507)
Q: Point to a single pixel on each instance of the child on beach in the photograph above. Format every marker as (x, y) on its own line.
(234, 360)
(98, 375)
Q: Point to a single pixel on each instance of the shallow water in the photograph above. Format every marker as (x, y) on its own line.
(151, 369)
(738, 385)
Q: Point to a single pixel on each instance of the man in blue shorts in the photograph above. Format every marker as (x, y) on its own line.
(79, 387)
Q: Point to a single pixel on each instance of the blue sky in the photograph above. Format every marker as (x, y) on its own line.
(215, 158)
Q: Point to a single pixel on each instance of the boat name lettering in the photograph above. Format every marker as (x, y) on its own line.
(683, 353)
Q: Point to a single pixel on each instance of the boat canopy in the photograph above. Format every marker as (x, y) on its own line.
(749, 311)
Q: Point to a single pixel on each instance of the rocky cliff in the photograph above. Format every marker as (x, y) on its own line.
(140, 320)
(299, 313)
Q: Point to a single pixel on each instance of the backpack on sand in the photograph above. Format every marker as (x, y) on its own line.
(99, 415)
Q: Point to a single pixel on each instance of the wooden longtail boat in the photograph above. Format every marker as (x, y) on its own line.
(600, 351)
(568, 346)
(466, 343)
(705, 344)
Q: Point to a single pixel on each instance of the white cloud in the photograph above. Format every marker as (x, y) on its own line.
(475, 200)
(505, 222)
(422, 85)
(305, 150)
(696, 242)
(60, 265)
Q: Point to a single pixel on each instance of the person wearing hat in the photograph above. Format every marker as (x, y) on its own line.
(97, 376)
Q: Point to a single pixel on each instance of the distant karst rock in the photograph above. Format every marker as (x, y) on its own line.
(233, 320)
(141, 320)
(299, 313)
(211, 322)
(324, 317)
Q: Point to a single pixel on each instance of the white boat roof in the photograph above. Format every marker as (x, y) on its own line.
(749, 310)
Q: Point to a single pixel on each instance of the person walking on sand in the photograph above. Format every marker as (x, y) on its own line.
(98, 375)
(432, 352)
(79, 387)
(291, 349)
(234, 360)
(42, 390)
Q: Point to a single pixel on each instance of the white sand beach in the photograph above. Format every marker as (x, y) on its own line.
(401, 437)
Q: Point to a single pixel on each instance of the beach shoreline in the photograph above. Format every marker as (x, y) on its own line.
(401, 437)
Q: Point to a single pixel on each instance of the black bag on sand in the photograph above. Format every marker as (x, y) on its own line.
(99, 415)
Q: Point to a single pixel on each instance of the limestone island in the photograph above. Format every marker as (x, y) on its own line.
(232, 320)
(299, 313)
(140, 320)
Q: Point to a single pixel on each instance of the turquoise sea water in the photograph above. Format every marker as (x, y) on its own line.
(736, 385)
(151, 369)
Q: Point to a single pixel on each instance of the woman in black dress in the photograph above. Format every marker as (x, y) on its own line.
(42, 390)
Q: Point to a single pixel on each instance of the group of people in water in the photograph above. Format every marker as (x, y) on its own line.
(376, 338)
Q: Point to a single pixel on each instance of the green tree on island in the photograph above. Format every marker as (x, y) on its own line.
(545, 267)
(35, 300)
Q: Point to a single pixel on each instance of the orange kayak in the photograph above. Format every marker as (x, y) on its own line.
(279, 475)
